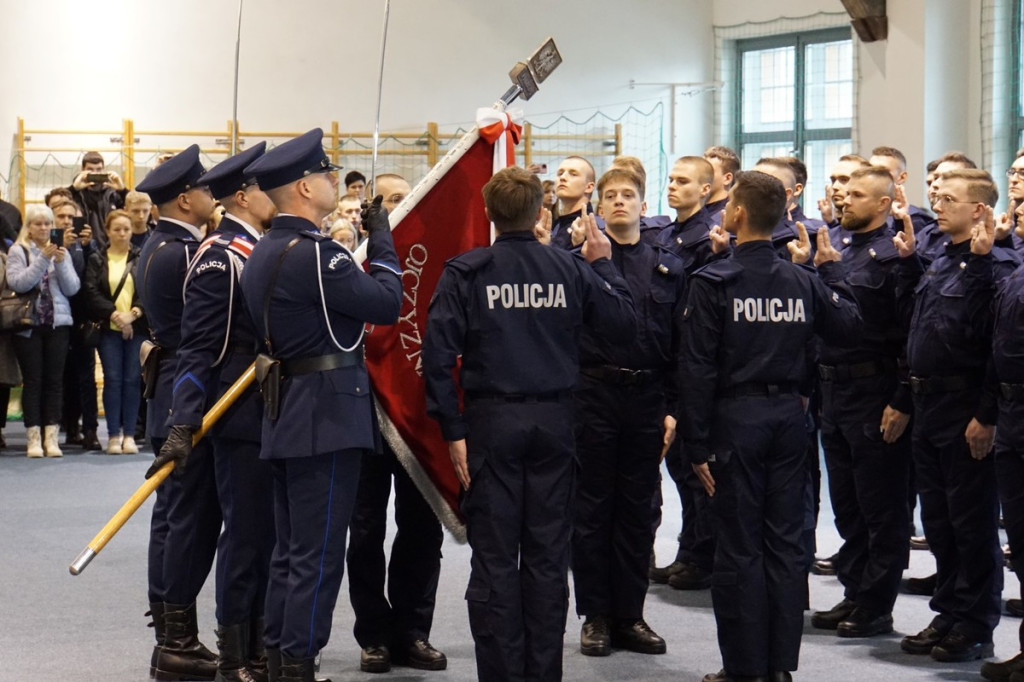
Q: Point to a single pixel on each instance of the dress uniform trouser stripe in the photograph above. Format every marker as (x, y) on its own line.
(311, 647)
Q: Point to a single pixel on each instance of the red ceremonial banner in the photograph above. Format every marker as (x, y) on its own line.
(446, 221)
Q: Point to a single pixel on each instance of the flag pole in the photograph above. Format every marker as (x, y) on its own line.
(380, 89)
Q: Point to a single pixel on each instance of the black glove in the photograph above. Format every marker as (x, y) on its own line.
(176, 448)
(375, 216)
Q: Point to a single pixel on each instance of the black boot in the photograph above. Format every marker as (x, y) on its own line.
(273, 663)
(90, 441)
(232, 643)
(182, 655)
(257, 652)
(156, 609)
(296, 669)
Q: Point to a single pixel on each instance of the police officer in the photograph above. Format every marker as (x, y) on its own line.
(625, 418)
(1008, 371)
(186, 517)
(310, 302)
(218, 343)
(396, 626)
(954, 418)
(866, 409)
(744, 332)
(697, 241)
(513, 313)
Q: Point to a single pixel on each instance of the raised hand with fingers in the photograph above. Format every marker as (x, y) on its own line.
(983, 234)
(825, 253)
(542, 229)
(596, 244)
(720, 239)
(800, 248)
(825, 205)
(904, 241)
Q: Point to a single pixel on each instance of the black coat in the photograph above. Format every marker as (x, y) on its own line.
(99, 299)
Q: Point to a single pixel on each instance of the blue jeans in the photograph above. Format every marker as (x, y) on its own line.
(122, 380)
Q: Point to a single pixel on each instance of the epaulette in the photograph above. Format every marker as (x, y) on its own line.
(1001, 254)
(669, 264)
(471, 260)
(315, 236)
(689, 238)
(720, 271)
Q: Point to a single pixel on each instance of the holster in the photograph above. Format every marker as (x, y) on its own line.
(268, 374)
(149, 356)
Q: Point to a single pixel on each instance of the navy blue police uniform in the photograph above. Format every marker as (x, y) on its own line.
(651, 227)
(716, 209)
(310, 302)
(747, 322)
(513, 312)
(404, 617)
(948, 347)
(186, 517)
(625, 391)
(689, 240)
(868, 477)
(1006, 377)
(218, 344)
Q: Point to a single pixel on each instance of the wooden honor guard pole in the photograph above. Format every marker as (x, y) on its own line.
(146, 489)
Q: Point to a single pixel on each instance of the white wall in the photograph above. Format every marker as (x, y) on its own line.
(169, 65)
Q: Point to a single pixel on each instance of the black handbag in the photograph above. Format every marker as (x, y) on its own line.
(17, 310)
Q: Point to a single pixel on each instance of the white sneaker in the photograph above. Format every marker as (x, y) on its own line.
(35, 442)
(114, 445)
(128, 446)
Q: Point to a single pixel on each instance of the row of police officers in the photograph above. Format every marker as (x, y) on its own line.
(571, 390)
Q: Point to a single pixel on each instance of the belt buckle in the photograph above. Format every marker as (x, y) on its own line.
(917, 384)
(773, 390)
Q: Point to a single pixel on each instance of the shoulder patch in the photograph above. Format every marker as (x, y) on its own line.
(471, 260)
(720, 271)
(315, 236)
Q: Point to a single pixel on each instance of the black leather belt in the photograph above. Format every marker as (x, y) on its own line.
(552, 397)
(943, 384)
(1013, 392)
(620, 376)
(751, 389)
(321, 363)
(859, 370)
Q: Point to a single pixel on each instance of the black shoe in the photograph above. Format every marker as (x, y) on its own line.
(865, 623)
(691, 577)
(722, 676)
(595, 637)
(422, 656)
(919, 542)
(662, 575)
(73, 436)
(830, 620)
(957, 647)
(1003, 670)
(923, 642)
(375, 659)
(637, 636)
(781, 676)
(823, 567)
(90, 441)
(922, 586)
(182, 655)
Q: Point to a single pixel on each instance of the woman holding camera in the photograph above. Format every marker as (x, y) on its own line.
(38, 260)
(113, 300)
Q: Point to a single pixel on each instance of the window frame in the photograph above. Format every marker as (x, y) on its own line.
(1016, 110)
(799, 133)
